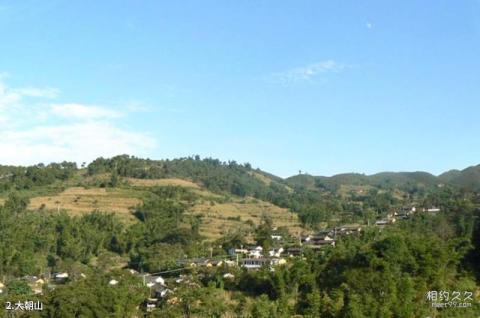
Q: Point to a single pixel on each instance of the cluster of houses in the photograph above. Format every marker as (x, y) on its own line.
(410, 210)
(157, 285)
(328, 237)
(254, 257)
(390, 219)
(163, 290)
(206, 262)
(250, 258)
(158, 290)
(405, 213)
(37, 284)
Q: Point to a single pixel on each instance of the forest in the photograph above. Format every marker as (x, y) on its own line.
(391, 271)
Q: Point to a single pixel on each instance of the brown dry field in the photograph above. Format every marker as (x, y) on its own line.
(162, 182)
(194, 187)
(218, 219)
(364, 189)
(78, 201)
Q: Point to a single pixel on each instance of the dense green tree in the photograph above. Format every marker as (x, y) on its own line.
(18, 287)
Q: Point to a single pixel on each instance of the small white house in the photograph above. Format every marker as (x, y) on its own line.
(159, 280)
(151, 281)
(254, 263)
(275, 252)
(256, 252)
(276, 237)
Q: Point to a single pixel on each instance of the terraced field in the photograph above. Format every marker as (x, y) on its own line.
(220, 218)
(219, 214)
(78, 201)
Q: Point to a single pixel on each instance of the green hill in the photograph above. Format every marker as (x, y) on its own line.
(302, 180)
(381, 180)
(468, 178)
(450, 175)
(403, 179)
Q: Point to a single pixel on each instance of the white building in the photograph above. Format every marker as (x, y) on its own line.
(255, 263)
(256, 252)
(275, 252)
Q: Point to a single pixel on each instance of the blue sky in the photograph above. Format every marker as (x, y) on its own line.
(319, 86)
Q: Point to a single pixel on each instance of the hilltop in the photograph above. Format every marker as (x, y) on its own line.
(468, 178)
(224, 197)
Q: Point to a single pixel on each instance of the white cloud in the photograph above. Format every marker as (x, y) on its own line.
(13, 98)
(38, 92)
(306, 73)
(369, 25)
(84, 112)
(8, 97)
(32, 131)
(79, 142)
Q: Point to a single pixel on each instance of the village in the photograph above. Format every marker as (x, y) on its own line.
(162, 285)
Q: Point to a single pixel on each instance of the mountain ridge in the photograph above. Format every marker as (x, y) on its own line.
(242, 179)
(468, 178)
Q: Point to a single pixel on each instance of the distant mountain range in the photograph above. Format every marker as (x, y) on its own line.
(468, 178)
